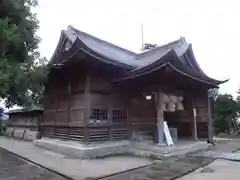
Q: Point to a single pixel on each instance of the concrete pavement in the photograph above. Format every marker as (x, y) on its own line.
(72, 167)
(199, 165)
(220, 170)
(225, 167)
(206, 164)
(224, 149)
(12, 167)
(164, 170)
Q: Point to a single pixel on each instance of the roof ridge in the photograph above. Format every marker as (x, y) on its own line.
(159, 47)
(101, 40)
(154, 61)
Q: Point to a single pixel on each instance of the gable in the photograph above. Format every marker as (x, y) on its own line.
(114, 55)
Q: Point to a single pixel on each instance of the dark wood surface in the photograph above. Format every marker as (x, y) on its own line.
(74, 91)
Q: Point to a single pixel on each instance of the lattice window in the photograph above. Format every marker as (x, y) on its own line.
(99, 115)
(119, 116)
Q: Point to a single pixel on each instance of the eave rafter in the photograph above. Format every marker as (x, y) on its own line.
(171, 60)
(177, 55)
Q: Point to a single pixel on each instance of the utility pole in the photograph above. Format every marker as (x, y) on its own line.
(142, 37)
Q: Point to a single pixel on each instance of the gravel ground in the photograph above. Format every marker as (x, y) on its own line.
(12, 167)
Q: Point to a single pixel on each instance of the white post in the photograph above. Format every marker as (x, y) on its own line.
(195, 136)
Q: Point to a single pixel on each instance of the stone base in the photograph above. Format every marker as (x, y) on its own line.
(21, 133)
(82, 151)
(30, 135)
(144, 149)
(181, 148)
(9, 132)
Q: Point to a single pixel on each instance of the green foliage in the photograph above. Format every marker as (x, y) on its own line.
(213, 94)
(225, 112)
(238, 97)
(1, 114)
(22, 71)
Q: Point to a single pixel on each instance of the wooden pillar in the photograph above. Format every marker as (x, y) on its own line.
(87, 106)
(110, 121)
(69, 106)
(210, 123)
(195, 136)
(160, 117)
(39, 125)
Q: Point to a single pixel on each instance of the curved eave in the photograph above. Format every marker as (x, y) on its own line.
(178, 66)
(162, 66)
(59, 47)
(192, 60)
(100, 57)
(80, 47)
(154, 64)
(192, 77)
(169, 59)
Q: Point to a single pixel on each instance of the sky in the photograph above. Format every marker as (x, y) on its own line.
(210, 26)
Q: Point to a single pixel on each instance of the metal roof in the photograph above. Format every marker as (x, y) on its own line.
(25, 110)
(110, 53)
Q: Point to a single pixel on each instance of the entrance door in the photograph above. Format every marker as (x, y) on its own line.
(143, 118)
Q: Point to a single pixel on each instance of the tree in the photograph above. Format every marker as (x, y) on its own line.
(213, 93)
(1, 115)
(238, 97)
(225, 113)
(22, 70)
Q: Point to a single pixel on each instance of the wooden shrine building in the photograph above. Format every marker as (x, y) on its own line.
(98, 91)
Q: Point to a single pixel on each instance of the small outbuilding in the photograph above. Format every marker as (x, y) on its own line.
(24, 123)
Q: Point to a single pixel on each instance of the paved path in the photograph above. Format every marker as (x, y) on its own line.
(222, 150)
(225, 167)
(220, 169)
(173, 168)
(170, 168)
(12, 167)
(72, 167)
(164, 170)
